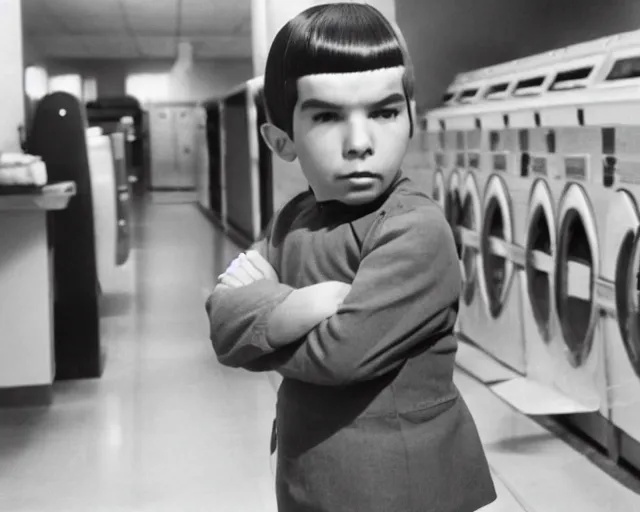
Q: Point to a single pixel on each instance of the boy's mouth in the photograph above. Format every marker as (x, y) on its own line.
(360, 174)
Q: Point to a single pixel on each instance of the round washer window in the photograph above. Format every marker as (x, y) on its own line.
(469, 221)
(453, 209)
(628, 297)
(539, 281)
(574, 287)
(494, 265)
(438, 192)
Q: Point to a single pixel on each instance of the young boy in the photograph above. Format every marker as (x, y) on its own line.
(352, 293)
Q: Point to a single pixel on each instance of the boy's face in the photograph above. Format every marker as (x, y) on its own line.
(350, 133)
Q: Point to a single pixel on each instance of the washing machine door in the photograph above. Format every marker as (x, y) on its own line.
(633, 300)
(453, 201)
(623, 222)
(540, 249)
(453, 208)
(627, 283)
(577, 266)
(496, 238)
(469, 224)
(438, 190)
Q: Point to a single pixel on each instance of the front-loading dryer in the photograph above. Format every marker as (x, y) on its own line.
(576, 348)
(563, 332)
(498, 328)
(539, 320)
(504, 215)
(620, 283)
(471, 313)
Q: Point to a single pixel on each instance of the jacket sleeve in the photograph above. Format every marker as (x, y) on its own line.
(403, 299)
(238, 319)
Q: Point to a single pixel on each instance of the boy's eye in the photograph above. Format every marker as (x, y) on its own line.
(386, 113)
(325, 117)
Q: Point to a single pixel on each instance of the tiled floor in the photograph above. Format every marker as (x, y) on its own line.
(168, 429)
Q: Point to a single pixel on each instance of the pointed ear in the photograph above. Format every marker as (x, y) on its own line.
(278, 141)
(413, 110)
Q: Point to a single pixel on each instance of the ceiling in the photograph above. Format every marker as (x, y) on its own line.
(135, 29)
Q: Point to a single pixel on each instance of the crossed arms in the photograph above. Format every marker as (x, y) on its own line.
(403, 296)
(299, 312)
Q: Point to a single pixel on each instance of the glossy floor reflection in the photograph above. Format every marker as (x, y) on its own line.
(167, 428)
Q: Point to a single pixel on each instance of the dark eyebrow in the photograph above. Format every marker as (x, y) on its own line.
(396, 97)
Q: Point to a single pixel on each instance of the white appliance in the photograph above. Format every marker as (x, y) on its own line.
(567, 102)
(105, 216)
(621, 286)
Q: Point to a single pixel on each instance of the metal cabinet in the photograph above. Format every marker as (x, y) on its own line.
(173, 136)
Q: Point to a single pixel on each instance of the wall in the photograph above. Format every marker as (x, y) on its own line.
(449, 36)
(269, 16)
(11, 81)
(211, 77)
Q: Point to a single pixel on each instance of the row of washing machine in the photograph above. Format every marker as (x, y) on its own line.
(536, 163)
(550, 256)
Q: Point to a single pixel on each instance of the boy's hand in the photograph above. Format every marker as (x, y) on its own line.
(246, 269)
(328, 296)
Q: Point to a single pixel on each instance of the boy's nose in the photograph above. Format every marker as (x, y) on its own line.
(358, 142)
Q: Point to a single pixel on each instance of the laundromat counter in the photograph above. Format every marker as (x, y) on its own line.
(26, 292)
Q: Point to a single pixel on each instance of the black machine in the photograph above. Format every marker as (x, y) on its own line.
(108, 114)
(58, 136)
(215, 170)
(123, 200)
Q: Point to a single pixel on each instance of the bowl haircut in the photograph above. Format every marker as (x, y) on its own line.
(331, 38)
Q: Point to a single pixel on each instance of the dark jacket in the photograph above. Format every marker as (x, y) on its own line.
(368, 416)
